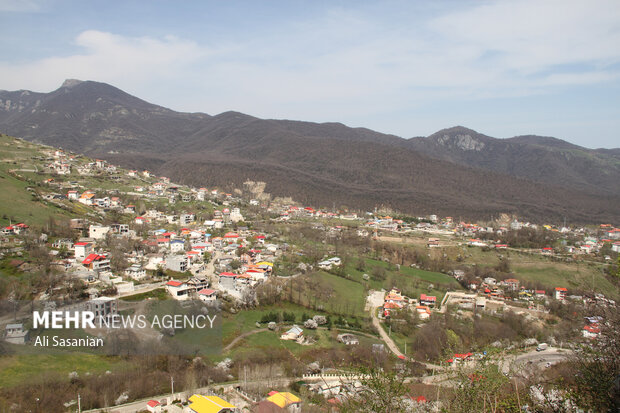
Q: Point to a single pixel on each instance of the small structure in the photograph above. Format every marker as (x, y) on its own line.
(207, 295)
(284, 401)
(16, 334)
(348, 339)
(210, 404)
(293, 334)
(153, 406)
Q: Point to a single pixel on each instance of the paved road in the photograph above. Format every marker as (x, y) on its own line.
(537, 359)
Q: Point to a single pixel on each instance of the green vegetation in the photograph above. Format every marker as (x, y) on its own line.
(158, 294)
(24, 368)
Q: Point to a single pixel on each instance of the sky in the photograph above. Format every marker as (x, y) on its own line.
(410, 68)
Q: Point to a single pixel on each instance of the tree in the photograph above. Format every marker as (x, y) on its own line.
(597, 368)
(384, 392)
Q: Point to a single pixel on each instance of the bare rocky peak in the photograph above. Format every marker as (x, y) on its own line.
(71, 82)
(464, 142)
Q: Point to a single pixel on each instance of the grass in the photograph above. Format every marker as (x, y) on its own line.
(581, 276)
(411, 281)
(235, 324)
(27, 368)
(270, 340)
(542, 270)
(19, 204)
(336, 294)
(158, 294)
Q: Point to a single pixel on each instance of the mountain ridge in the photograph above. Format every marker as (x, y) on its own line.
(318, 163)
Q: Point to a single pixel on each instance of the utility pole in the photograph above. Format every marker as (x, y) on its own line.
(79, 404)
(172, 385)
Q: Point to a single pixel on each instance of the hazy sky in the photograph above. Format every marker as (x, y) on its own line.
(410, 68)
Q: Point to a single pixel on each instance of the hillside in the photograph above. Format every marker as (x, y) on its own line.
(318, 164)
(538, 158)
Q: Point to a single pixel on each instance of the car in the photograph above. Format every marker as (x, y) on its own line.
(547, 365)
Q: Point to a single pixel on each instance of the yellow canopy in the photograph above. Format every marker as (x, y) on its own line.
(283, 399)
(208, 404)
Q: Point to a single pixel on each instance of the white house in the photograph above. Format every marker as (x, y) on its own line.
(136, 272)
(82, 250)
(178, 290)
(293, 334)
(98, 231)
(177, 245)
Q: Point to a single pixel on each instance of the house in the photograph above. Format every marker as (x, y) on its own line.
(511, 283)
(103, 307)
(210, 404)
(395, 299)
(119, 228)
(73, 195)
(560, 293)
(15, 334)
(178, 290)
(285, 400)
(329, 263)
(98, 231)
(207, 295)
(63, 243)
(295, 333)
(460, 357)
(591, 331)
(136, 272)
(153, 406)
(228, 280)
(177, 245)
(198, 283)
(428, 300)
(186, 219)
(87, 198)
(540, 293)
(177, 263)
(96, 262)
(424, 312)
(140, 220)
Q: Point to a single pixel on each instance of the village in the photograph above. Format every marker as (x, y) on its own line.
(130, 235)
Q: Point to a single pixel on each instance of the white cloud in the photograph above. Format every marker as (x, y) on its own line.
(123, 61)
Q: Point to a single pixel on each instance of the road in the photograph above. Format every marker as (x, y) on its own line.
(373, 302)
(538, 359)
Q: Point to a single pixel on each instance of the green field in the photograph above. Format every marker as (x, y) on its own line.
(411, 281)
(19, 204)
(26, 368)
(269, 340)
(244, 321)
(582, 276)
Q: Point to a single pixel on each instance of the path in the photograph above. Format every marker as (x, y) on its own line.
(384, 336)
(241, 337)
